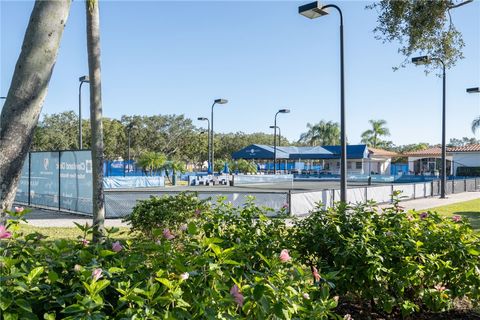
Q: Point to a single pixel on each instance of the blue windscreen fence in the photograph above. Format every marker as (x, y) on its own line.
(59, 180)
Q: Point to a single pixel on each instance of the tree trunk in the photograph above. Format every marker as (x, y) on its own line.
(93, 48)
(27, 92)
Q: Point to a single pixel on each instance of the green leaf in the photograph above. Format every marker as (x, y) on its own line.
(5, 300)
(167, 283)
(23, 304)
(100, 285)
(473, 252)
(34, 274)
(74, 308)
(264, 259)
(10, 316)
(192, 228)
(116, 270)
(52, 276)
(106, 253)
(49, 316)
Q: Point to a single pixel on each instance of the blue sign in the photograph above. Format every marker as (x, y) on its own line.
(76, 181)
(44, 179)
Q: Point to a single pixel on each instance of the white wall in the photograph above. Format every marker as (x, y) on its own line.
(465, 159)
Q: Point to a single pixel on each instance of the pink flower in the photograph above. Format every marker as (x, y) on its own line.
(4, 234)
(97, 274)
(237, 295)
(19, 209)
(183, 227)
(306, 296)
(198, 212)
(185, 276)
(117, 246)
(439, 287)
(285, 206)
(409, 218)
(167, 234)
(85, 242)
(424, 215)
(284, 256)
(77, 268)
(457, 218)
(315, 274)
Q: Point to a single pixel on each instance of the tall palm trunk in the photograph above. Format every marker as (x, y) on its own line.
(93, 48)
(27, 92)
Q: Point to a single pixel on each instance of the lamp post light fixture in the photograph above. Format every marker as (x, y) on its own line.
(208, 137)
(473, 90)
(314, 10)
(275, 139)
(279, 134)
(422, 60)
(82, 80)
(211, 169)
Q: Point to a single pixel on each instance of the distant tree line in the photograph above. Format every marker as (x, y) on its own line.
(178, 139)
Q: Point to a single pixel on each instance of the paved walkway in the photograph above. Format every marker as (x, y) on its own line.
(47, 218)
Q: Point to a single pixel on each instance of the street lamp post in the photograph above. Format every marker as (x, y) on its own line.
(279, 134)
(82, 80)
(275, 139)
(426, 60)
(314, 10)
(208, 137)
(212, 159)
(127, 167)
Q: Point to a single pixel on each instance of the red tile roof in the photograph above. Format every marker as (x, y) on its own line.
(426, 152)
(381, 152)
(438, 151)
(469, 148)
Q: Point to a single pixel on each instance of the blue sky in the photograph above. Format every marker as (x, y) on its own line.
(176, 57)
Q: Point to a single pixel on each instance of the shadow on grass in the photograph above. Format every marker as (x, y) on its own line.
(473, 218)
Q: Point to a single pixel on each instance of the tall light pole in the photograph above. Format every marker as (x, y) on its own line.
(426, 60)
(314, 10)
(275, 139)
(208, 137)
(212, 158)
(129, 129)
(279, 134)
(82, 80)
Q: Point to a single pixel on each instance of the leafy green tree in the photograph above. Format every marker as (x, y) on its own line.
(321, 134)
(244, 166)
(371, 137)
(152, 162)
(420, 26)
(465, 141)
(56, 132)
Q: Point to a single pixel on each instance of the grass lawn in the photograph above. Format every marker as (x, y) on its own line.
(468, 209)
(54, 233)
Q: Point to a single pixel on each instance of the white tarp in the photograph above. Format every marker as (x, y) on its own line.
(262, 178)
(304, 202)
(380, 194)
(356, 195)
(406, 189)
(133, 182)
(120, 204)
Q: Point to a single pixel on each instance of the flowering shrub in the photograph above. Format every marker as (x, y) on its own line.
(214, 263)
(404, 261)
(159, 213)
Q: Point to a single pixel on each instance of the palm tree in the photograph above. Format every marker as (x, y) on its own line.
(152, 161)
(476, 124)
(372, 136)
(322, 133)
(93, 50)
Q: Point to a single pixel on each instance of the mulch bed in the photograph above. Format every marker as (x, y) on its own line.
(363, 311)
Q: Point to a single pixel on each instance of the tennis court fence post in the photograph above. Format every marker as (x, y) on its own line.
(289, 200)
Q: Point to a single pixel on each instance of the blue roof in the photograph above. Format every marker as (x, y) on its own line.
(261, 151)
